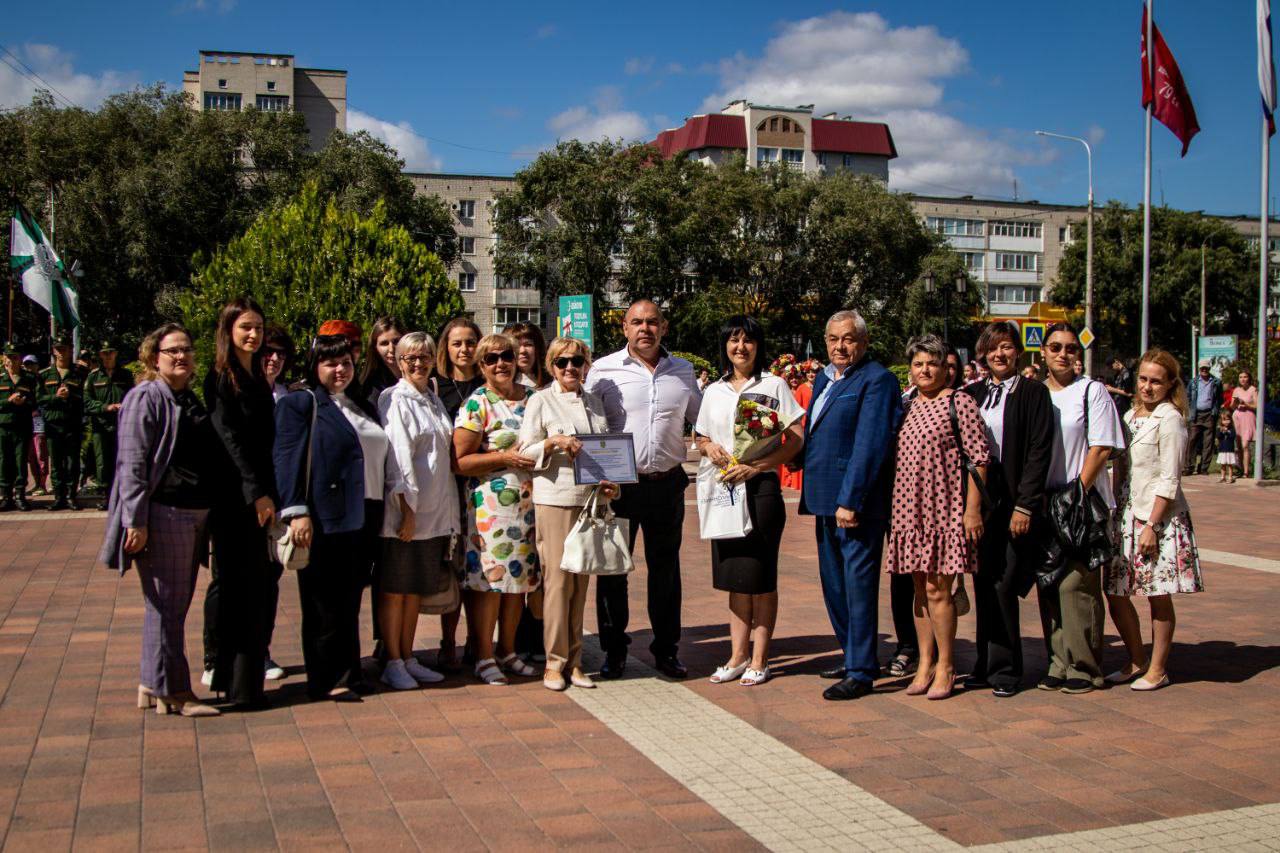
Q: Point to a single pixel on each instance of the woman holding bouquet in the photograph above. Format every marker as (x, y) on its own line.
(937, 516)
(748, 404)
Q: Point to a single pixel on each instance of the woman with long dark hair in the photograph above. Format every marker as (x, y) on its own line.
(380, 370)
(457, 377)
(531, 354)
(244, 597)
(747, 567)
(329, 458)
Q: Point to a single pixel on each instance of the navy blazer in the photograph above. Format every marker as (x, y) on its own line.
(849, 446)
(336, 502)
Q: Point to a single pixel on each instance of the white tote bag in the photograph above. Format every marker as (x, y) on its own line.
(722, 509)
(599, 543)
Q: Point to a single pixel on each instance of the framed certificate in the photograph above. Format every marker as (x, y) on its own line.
(609, 457)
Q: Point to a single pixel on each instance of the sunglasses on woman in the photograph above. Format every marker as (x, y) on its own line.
(492, 358)
(565, 361)
(1071, 349)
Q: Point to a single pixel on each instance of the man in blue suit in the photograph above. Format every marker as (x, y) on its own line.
(849, 435)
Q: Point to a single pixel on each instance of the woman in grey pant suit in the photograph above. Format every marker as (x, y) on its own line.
(157, 512)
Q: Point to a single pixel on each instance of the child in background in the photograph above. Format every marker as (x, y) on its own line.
(1227, 448)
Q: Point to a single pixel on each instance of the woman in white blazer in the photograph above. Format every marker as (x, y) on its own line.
(555, 416)
(1158, 547)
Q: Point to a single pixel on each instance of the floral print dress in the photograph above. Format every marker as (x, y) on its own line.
(501, 556)
(1176, 566)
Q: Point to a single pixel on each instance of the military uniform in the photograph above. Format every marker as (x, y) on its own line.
(63, 428)
(102, 389)
(15, 433)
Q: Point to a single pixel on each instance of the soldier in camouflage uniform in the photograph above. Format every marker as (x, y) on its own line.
(103, 392)
(17, 401)
(61, 398)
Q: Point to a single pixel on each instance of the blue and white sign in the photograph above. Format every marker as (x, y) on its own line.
(1220, 350)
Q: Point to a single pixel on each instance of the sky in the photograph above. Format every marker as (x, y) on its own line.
(482, 88)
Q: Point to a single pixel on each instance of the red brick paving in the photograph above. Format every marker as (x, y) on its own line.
(473, 767)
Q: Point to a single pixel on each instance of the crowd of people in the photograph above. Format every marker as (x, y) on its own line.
(442, 478)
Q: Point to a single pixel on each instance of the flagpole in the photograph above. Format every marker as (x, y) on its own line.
(1260, 426)
(1146, 182)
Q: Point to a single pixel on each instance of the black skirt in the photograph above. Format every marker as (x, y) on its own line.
(750, 565)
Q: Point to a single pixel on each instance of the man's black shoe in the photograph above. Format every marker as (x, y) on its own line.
(20, 501)
(7, 505)
(1003, 691)
(1050, 682)
(976, 682)
(101, 506)
(60, 503)
(613, 667)
(71, 502)
(835, 673)
(671, 667)
(848, 688)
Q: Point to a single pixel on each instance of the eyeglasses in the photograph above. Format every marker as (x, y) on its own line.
(1069, 349)
(174, 352)
(416, 359)
(492, 358)
(272, 352)
(565, 361)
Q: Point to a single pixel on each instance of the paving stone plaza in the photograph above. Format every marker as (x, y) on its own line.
(643, 762)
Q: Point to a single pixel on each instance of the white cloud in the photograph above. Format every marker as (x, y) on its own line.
(1096, 134)
(638, 65)
(56, 69)
(401, 136)
(603, 118)
(858, 64)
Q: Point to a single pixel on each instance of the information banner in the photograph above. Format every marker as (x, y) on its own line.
(1219, 349)
(575, 318)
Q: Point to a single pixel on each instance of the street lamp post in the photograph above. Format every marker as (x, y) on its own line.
(961, 283)
(1088, 249)
(1202, 282)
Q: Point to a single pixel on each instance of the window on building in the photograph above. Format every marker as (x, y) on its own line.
(793, 157)
(504, 283)
(1064, 234)
(973, 261)
(1015, 228)
(1015, 293)
(235, 60)
(503, 317)
(467, 209)
(468, 245)
(221, 101)
(271, 85)
(850, 160)
(259, 60)
(467, 282)
(222, 82)
(765, 156)
(273, 103)
(954, 227)
(1017, 261)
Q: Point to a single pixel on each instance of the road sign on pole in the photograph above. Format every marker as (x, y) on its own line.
(1087, 337)
(1032, 336)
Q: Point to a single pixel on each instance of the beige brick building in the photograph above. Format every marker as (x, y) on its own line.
(270, 81)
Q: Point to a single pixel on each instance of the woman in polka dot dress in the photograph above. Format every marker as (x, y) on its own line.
(501, 561)
(936, 521)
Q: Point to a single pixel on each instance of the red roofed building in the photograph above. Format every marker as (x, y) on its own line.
(791, 135)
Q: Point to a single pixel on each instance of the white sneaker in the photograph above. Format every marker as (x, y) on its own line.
(421, 674)
(395, 675)
(274, 671)
(207, 678)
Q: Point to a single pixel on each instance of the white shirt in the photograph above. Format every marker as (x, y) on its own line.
(992, 411)
(1071, 445)
(420, 434)
(278, 392)
(720, 405)
(652, 405)
(373, 445)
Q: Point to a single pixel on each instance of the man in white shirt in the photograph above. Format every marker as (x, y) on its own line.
(652, 395)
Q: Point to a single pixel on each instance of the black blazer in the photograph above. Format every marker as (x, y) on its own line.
(244, 420)
(1017, 479)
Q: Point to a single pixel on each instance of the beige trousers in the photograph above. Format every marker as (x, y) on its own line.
(1071, 616)
(564, 594)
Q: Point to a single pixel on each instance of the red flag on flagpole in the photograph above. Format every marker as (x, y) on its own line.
(1173, 106)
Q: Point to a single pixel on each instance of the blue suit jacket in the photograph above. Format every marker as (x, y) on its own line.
(336, 502)
(849, 447)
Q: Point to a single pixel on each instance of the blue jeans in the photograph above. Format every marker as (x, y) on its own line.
(849, 565)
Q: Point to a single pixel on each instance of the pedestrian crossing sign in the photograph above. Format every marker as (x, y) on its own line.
(1032, 336)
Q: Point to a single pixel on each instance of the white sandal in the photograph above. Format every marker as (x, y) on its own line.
(487, 671)
(728, 673)
(752, 677)
(512, 663)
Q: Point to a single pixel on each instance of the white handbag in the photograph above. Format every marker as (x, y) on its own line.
(722, 509)
(599, 543)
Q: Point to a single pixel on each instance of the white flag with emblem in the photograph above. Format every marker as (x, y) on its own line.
(43, 277)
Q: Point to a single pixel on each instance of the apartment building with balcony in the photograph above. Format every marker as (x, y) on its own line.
(767, 134)
(230, 80)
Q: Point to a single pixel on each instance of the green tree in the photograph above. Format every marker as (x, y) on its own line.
(1176, 237)
(309, 261)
